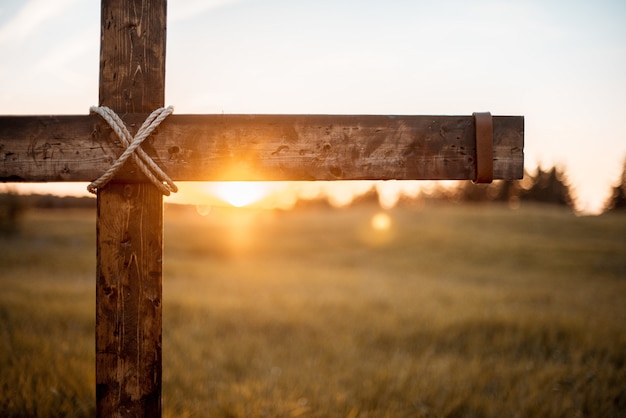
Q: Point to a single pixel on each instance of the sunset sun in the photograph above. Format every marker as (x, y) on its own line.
(240, 193)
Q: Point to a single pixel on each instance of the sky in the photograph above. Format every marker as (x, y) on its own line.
(560, 64)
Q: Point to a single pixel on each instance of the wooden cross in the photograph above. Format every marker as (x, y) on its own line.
(207, 148)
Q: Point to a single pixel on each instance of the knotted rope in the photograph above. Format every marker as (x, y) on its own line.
(147, 166)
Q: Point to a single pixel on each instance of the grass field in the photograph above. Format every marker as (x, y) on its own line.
(453, 311)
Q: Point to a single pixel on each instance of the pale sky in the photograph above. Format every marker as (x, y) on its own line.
(561, 64)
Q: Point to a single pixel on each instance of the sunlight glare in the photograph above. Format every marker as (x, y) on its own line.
(240, 193)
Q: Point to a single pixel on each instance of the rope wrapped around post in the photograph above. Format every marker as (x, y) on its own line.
(147, 166)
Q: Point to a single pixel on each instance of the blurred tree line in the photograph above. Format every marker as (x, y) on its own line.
(548, 186)
(545, 186)
(13, 206)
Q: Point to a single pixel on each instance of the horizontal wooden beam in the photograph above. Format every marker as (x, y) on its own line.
(261, 147)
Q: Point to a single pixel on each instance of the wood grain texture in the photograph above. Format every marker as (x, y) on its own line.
(211, 147)
(128, 301)
(130, 221)
(261, 147)
(132, 55)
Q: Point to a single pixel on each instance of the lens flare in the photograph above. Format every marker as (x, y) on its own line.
(381, 222)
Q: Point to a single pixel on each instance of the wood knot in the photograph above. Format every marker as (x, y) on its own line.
(280, 148)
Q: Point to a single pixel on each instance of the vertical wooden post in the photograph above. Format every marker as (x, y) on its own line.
(130, 221)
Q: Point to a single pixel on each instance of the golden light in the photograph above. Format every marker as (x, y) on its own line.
(284, 195)
(381, 222)
(240, 193)
(378, 230)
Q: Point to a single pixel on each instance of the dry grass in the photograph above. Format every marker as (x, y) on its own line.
(454, 311)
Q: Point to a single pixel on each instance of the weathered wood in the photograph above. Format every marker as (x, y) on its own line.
(261, 147)
(130, 222)
(132, 55)
(128, 301)
(213, 147)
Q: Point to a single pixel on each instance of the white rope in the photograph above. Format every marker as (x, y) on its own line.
(147, 166)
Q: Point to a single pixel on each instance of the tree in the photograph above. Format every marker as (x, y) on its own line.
(470, 192)
(617, 201)
(549, 186)
(505, 191)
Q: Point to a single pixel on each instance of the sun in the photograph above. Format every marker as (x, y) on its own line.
(240, 193)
